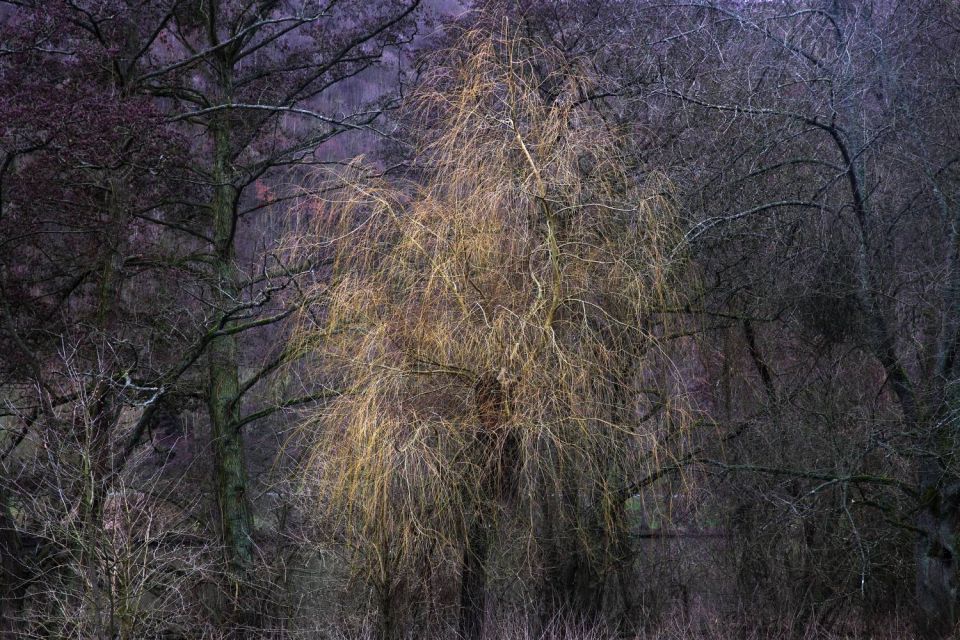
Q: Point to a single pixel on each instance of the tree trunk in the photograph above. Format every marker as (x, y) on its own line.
(11, 567)
(937, 515)
(574, 582)
(95, 431)
(473, 585)
(228, 457)
(230, 472)
(936, 563)
(490, 400)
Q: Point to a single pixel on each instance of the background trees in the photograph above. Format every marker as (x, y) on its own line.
(831, 104)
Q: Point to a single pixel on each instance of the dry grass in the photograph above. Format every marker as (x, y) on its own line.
(678, 629)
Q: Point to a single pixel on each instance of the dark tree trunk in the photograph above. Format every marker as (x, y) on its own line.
(473, 585)
(496, 449)
(936, 556)
(11, 568)
(936, 579)
(575, 556)
(230, 469)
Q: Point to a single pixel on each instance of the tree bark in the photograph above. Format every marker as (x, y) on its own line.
(473, 585)
(11, 567)
(230, 471)
(936, 565)
(497, 463)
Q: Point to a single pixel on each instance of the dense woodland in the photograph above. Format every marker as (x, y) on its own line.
(388, 319)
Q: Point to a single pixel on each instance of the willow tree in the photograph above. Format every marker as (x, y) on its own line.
(495, 330)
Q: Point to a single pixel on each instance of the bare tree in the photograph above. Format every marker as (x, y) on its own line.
(830, 159)
(493, 330)
(237, 94)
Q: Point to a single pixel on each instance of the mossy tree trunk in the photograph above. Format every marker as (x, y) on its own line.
(229, 464)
